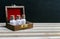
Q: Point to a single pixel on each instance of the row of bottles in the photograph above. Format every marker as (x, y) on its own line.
(18, 20)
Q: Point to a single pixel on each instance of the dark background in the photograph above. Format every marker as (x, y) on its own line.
(36, 10)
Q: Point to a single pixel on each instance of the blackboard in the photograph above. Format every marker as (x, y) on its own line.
(42, 11)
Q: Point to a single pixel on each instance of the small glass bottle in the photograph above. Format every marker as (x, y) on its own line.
(23, 19)
(12, 20)
(18, 20)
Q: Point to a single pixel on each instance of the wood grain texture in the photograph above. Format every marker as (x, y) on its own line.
(39, 29)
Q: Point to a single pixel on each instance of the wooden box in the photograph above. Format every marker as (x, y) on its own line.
(16, 10)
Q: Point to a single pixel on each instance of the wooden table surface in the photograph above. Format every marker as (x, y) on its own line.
(39, 29)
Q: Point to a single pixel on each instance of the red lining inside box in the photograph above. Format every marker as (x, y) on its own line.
(13, 11)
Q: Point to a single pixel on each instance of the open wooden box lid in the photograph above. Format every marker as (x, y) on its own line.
(14, 10)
